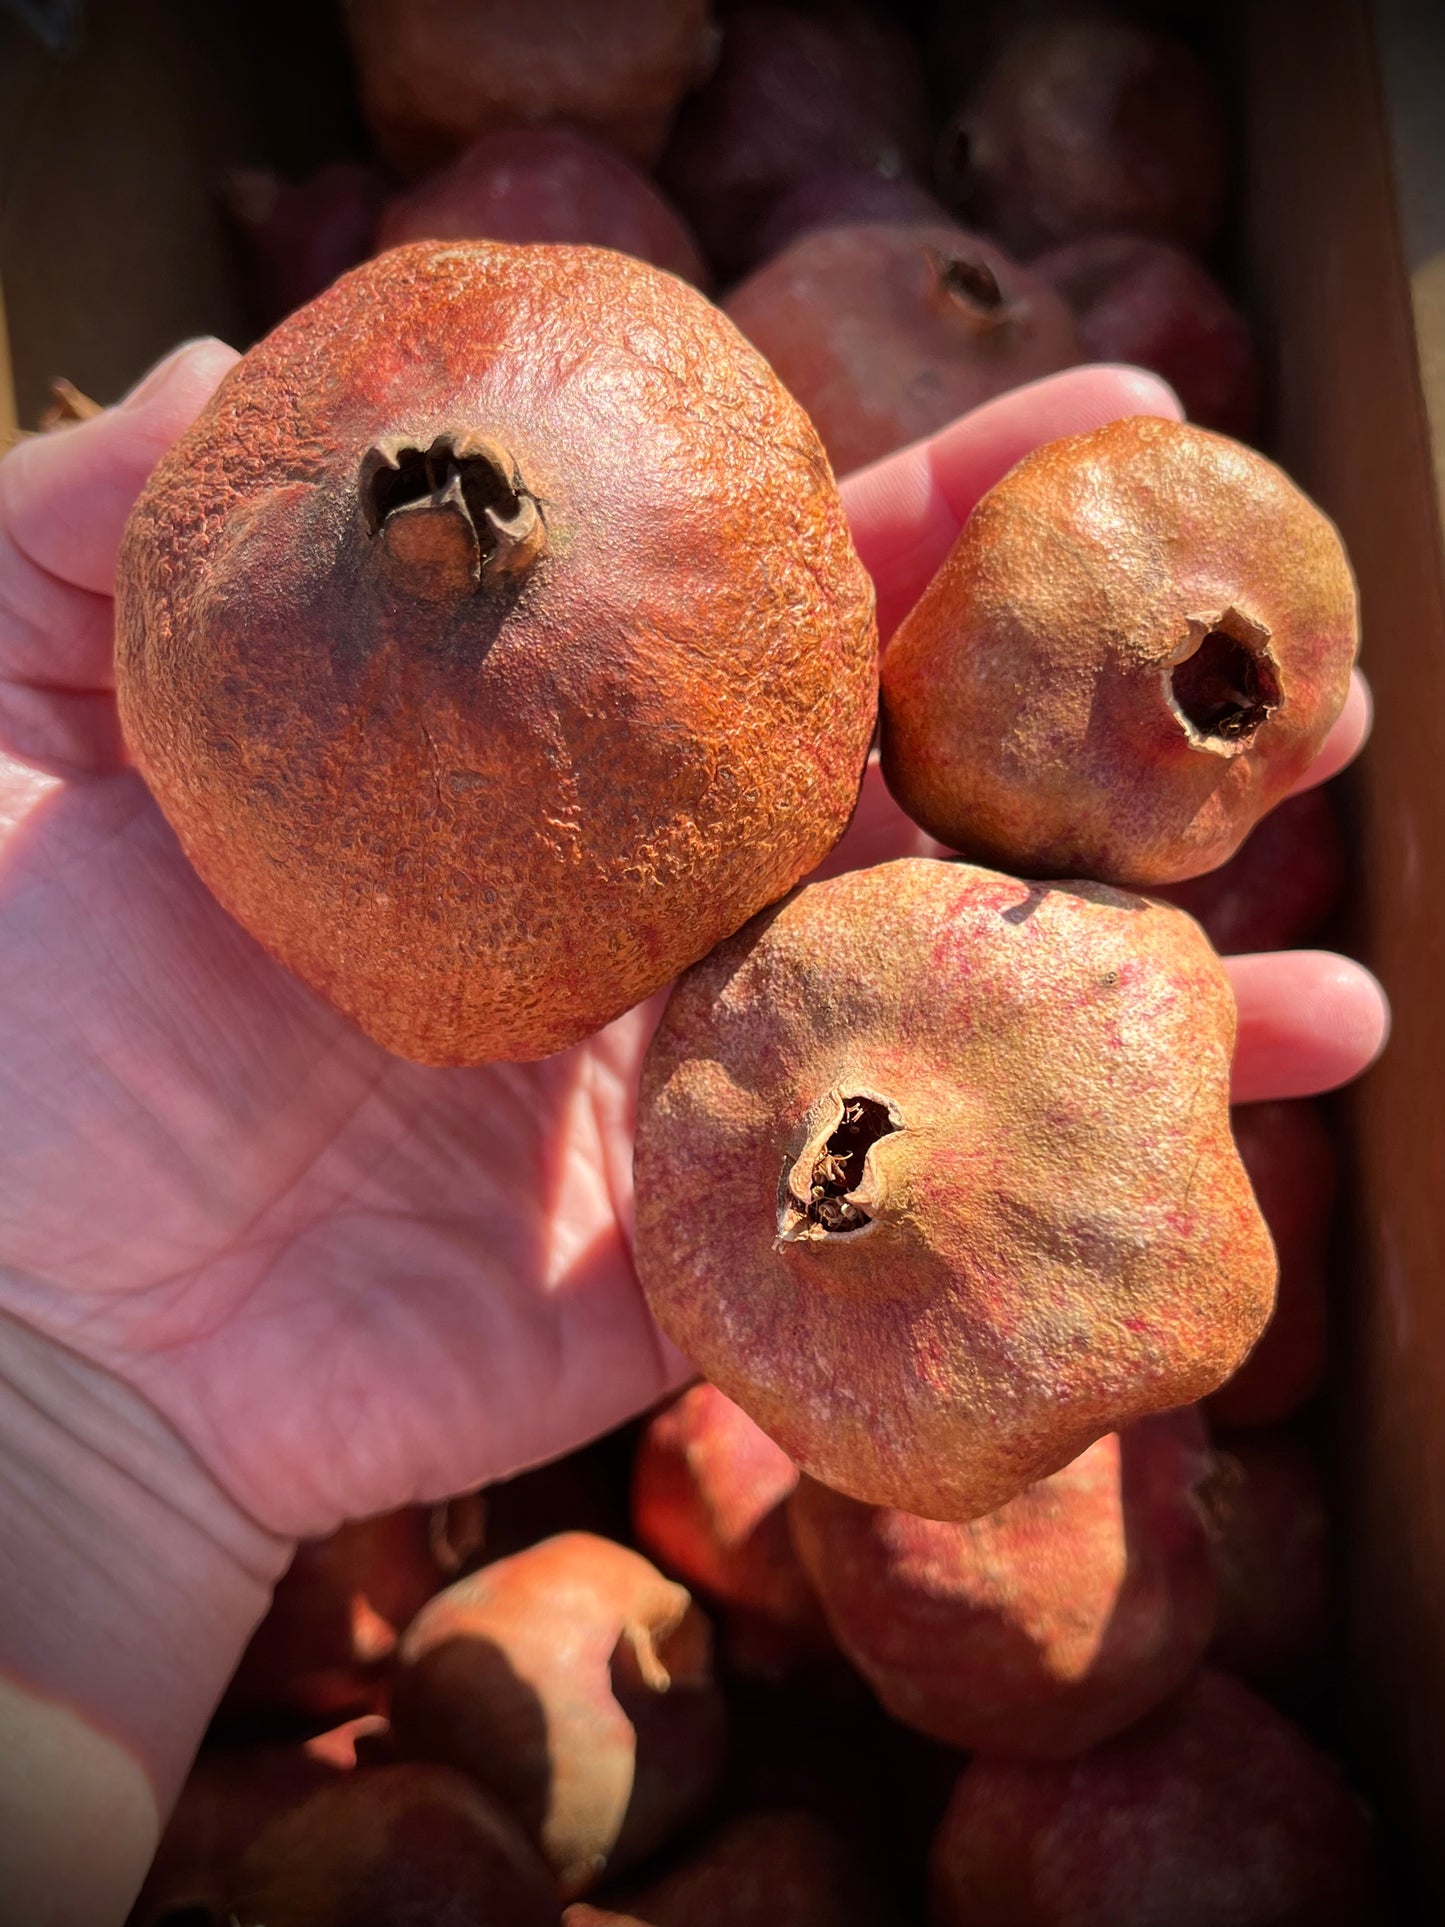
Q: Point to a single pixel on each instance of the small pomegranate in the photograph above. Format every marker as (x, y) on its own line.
(886, 332)
(1214, 1812)
(1292, 1165)
(709, 1499)
(784, 1869)
(574, 1682)
(1279, 887)
(1150, 303)
(1091, 127)
(845, 197)
(935, 1178)
(1135, 648)
(526, 184)
(300, 236)
(793, 95)
(1273, 1559)
(410, 1843)
(495, 643)
(432, 75)
(1041, 1628)
(342, 1601)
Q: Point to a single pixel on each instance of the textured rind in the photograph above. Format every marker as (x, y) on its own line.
(851, 321)
(1063, 1237)
(1025, 720)
(485, 824)
(1042, 1628)
(1217, 1812)
(433, 74)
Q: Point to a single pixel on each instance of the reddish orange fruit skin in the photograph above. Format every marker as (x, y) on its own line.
(1095, 126)
(388, 1844)
(1292, 1164)
(866, 324)
(1042, 708)
(575, 1683)
(543, 184)
(1057, 1235)
(1214, 1812)
(1279, 887)
(485, 806)
(709, 1502)
(1042, 1628)
(434, 74)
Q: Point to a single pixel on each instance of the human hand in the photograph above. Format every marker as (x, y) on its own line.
(320, 1281)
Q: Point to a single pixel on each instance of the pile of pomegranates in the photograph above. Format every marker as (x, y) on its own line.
(496, 646)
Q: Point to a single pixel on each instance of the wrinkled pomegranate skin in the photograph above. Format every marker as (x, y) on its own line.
(574, 1682)
(1095, 127)
(412, 1843)
(1028, 715)
(486, 818)
(861, 326)
(1294, 1170)
(791, 96)
(1279, 888)
(1042, 1628)
(709, 1499)
(1061, 1237)
(532, 184)
(1215, 1812)
(432, 75)
(1149, 303)
(1273, 1557)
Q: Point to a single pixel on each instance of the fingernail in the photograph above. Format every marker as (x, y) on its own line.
(159, 378)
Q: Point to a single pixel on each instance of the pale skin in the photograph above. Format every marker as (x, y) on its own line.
(256, 1277)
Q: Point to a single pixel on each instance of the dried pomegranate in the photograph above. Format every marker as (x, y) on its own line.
(434, 74)
(391, 1844)
(1039, 1629)
(1091, 127)
(1214, 1812)
(1290, 1157)
(886, 332)
(709, 1498)
(495, 643)
(935, 1178)
(525, 184)
(1135, 648)
(793, 95)
(1150, 303)
(575, 1683)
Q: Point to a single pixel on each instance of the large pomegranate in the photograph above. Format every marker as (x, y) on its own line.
(495, 643)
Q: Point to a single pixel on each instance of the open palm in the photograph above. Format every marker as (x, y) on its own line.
(343, 1280)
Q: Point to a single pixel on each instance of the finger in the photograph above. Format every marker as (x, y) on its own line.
(1347, 738)
(906, 511)
(1308, 1021)
(64, 498)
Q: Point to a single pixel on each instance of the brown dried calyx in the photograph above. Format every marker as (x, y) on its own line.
(831, 1187)
(1224, 683)
(461, 498)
